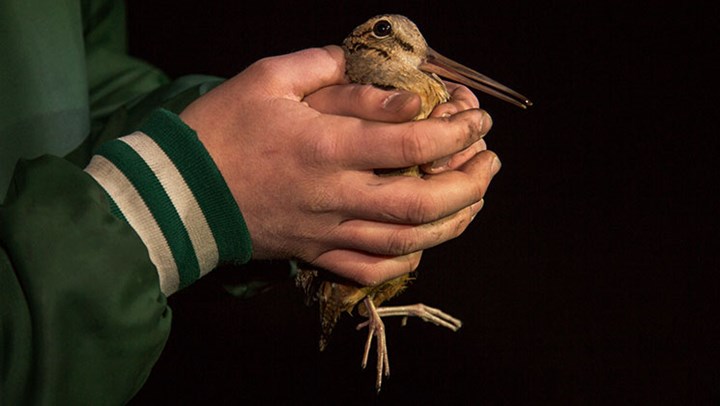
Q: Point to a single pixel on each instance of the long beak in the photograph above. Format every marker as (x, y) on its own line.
(452, 70)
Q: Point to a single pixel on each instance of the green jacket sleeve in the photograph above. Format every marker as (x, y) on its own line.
(82, 318)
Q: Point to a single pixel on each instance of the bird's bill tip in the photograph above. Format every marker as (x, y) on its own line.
(449, 69)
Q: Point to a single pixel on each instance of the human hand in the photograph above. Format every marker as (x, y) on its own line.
(304, 180)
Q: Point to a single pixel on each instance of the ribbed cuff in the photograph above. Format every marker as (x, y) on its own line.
(163, 182)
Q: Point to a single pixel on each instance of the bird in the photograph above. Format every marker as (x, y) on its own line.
(388, 51)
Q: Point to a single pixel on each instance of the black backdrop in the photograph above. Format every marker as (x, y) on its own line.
(581, 281)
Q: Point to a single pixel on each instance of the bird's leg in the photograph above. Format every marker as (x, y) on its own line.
(427, 313)
(376, 328)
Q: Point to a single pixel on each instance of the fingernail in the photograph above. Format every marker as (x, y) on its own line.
(495, 167)
(441, 163)
(478, 206)
(486, 124)
(397, 101)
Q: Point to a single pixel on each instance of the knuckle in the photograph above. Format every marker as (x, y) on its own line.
(416, 146)
(317, 52)
(360, 99)
(466, 97)
(461, 224)
(267, 64)
(365, 276)
(361, 93)
(413, 261)
(375, 274)
(267, 70)
(364, 273)
(320, 150)
(422, 209)
(474, 125)
(401, 243)
(322, 200)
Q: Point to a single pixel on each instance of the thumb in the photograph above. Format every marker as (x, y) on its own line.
(300, 73)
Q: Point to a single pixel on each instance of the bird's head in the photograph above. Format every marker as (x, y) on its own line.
(388, 46)
(386, 38)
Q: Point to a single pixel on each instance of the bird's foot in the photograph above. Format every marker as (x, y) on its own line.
(376, 328)
(427, 313)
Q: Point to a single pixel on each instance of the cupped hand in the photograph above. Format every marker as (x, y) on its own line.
(304, 179)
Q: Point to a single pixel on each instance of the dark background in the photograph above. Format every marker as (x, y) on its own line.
(584, 278)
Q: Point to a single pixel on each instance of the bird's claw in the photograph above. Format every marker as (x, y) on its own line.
(376, 328)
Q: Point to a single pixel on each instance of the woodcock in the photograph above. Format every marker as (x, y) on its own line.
(388, 51)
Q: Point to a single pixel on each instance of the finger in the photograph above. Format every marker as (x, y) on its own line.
(410, 200)
(449, 163)
(367, 269)
(365, 102)
(461, 99)
(370, 145)
(401, 239)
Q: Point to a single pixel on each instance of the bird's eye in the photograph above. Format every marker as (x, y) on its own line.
(382, 28)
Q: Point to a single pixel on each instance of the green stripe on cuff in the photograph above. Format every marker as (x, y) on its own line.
(206, 183)
(159, 204)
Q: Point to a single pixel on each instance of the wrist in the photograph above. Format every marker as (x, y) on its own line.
(163, 182)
